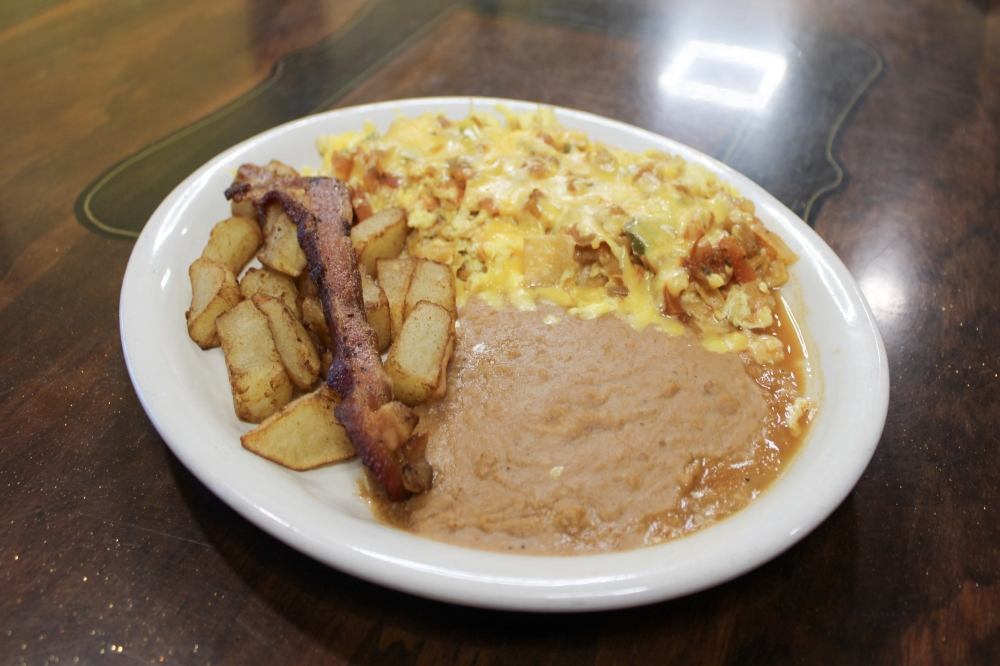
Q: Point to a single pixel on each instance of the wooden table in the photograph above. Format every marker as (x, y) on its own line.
(886, 138)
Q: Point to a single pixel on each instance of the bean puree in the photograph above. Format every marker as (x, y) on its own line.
(563, 435)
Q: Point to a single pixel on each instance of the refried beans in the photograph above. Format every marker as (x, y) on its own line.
(560, 435)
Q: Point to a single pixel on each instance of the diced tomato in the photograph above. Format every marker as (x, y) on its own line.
(707, 259)
(342, 166)
(743, 271)
(734, 251)
(371, 179)
(737, 256)
(375, 177)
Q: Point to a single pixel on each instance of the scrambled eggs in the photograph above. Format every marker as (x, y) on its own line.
(532, 210)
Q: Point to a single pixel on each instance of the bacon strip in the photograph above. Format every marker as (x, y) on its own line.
(379, 427)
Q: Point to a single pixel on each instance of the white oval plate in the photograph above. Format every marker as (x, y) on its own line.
(185, 392)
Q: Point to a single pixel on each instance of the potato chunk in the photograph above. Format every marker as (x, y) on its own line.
(303, 435)
(214, 290)
(243, 208)
(376, 310)
(432, 282)
(259, 382)
(546, 258)
(394, 278)
(315, 320)
(306, 285)
(272, 283)
(295, 348)
(418, 360)
(381, 236)
(234, 242)
(281, 249)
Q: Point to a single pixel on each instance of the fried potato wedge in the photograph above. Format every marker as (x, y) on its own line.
(260, 384)
(234, 242)
(272, 283)
(381, 236)
(214, 290)
(243, 209)
(295, 348)
(306, 285)
(394, 278)
(315, 320)
(303, 435)
(546, 258)
(376, 310)
(432, 282)
(418, 360)
(281, 249)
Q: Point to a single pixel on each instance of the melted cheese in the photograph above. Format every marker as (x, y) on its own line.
(475, 189)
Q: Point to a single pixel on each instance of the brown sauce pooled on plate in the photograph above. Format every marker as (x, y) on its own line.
(560, 435)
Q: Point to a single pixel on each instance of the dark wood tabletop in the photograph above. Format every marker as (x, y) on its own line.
(884, 136)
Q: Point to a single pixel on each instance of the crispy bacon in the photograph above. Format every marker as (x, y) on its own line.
(378, 426)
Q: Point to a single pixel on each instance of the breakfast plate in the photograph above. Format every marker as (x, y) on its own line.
(185, 392)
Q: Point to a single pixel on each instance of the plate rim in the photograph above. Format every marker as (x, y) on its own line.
(522, 582)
